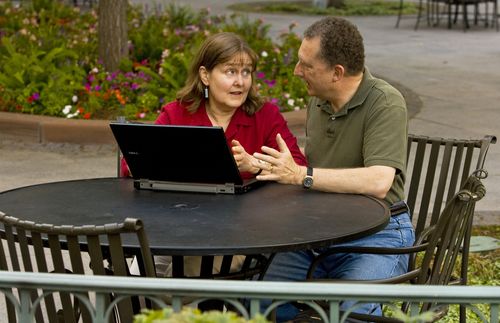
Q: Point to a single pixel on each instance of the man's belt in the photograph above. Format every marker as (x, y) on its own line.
(399, 208)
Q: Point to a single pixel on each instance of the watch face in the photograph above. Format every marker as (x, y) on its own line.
(308, 181)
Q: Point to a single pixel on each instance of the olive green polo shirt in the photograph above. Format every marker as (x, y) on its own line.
(371, 129)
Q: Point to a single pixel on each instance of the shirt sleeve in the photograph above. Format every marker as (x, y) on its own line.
(164, 117)
(385, 135)
(124, 170)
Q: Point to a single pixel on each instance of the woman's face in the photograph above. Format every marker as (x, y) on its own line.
(229, 82)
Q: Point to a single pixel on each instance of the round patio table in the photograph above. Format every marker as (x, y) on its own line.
(272, 218)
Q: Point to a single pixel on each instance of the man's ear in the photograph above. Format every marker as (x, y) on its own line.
(203, 75)
(338, 73)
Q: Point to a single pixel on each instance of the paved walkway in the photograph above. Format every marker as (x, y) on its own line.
(455, 75)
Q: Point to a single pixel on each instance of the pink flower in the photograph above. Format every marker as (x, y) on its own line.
(34, 97)
(270, 83)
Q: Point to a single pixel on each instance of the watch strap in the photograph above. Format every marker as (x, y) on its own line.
(308, 179)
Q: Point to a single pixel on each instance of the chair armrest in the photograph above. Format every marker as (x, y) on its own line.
(368, 250)
(406, 277)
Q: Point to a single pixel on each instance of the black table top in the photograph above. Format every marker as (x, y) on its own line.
(272, 218)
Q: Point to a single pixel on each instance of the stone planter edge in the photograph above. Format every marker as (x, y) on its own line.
(45, 129)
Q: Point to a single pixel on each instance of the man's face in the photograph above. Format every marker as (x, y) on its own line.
(317, 75)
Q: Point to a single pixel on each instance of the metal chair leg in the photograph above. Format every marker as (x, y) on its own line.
(399, 13)
(495, 14)
(419, 15)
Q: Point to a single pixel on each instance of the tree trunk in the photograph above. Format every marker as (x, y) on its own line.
(336, 3)
(112, 33)
(328, 3)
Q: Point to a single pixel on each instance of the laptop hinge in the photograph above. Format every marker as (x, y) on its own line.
(146, 184)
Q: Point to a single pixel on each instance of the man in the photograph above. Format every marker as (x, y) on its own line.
(356, 134)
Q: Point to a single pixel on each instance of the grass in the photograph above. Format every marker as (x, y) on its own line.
(483, 270)
(350, 8)
(485, 266)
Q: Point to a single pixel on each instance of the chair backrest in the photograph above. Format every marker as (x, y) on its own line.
(98, 250)
(445, 238)
(436, 169)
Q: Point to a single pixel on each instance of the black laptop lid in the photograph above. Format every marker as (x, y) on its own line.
(192, 154)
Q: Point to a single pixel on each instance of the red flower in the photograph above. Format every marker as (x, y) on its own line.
(86, 115)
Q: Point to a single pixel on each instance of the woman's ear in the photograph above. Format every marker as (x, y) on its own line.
(203, 75)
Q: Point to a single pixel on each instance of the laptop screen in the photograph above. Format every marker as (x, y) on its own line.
(190, 154)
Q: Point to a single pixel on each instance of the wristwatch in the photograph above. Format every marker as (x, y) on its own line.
(308, 180)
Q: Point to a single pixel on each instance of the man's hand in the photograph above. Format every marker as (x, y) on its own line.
(279, 165)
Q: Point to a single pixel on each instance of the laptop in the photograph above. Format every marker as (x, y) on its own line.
(180, 158)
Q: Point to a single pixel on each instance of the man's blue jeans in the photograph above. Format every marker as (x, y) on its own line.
(293, 266)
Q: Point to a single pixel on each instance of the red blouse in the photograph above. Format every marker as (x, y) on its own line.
(252, 132)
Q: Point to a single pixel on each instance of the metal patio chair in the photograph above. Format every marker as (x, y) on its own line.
(440, 244)
(95, 250)
(452, 9)
(436, 169)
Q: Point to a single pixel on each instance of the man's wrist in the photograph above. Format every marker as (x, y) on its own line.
(308, 180)
(299, 180)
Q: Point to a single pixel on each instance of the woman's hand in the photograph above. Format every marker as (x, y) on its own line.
(244, 160)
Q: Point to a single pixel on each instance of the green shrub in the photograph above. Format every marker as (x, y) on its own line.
(38, 82)
(65, 78)
(189, 315)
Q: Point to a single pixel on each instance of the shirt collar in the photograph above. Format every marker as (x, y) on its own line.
(367, 83)
(240, 117)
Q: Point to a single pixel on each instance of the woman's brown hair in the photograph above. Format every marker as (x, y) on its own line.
(218, 49)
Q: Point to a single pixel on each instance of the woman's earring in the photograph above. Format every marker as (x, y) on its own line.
(206, 92)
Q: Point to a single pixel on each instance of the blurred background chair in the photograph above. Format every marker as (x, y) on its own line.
(481, 10)
(98, 250)
(452, 10)
(478, 10)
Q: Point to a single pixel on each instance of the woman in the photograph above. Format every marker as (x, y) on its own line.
(219, 91)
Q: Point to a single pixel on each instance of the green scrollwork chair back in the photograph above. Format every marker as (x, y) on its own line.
(91, 249)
